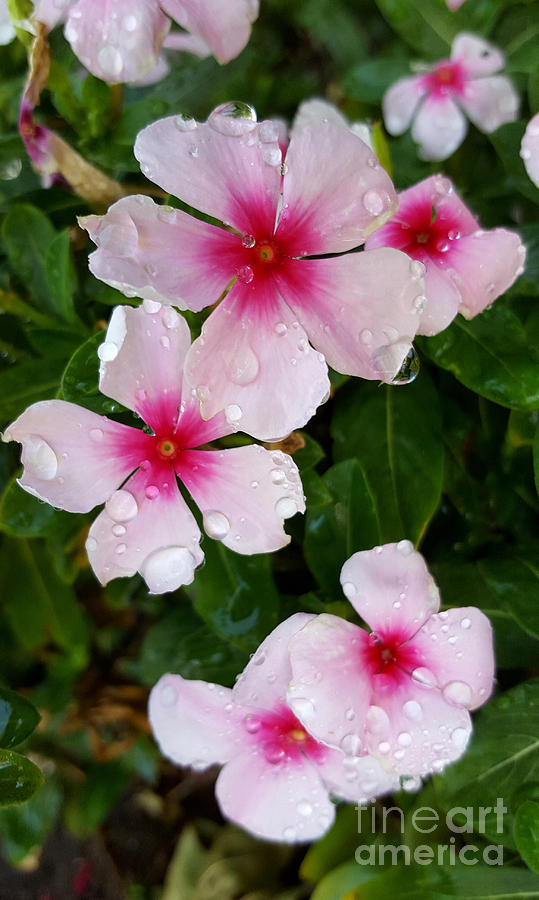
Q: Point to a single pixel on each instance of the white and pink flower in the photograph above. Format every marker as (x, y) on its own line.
(466, 268)
(255, 353)
(529, 149)
(401, 693)
(7, 31)
(434, 102)
(123, 41)
(276, 778)
(76, 459)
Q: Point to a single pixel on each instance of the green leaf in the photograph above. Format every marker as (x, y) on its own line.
(25, 827)
(27, 235)
(506, 141)
(369, 81)
(527, 833)
(491, 356)
(337, 528)
(395, 434)
(236, 595)
(515, 581)
(536, 459)
(425, 24)
(22, 515)
(90, 804)
(19, 778)
(80, 381)
(26, 383)
(18, 718)
(61, 276)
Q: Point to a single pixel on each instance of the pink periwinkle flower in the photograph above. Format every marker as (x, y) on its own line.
(434, 101)
(466, 268)
(253, 358)
(529, 150)
(454, 4)
(276, 777)
(122, 41)
(401, 692)
(76, 459)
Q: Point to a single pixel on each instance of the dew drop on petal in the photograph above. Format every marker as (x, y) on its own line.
(38, 458)
(167, 695)
(233, 413)
(286, 507)
(466, 623)
(216, 524)
(458, 692)
(252, 723)
(303, 707)
(107, 351)
(96, 434)
(245, 274)
(374, 202)
(268, 132)
(244, 366)
(409, 369)
(184, 122)
(233, 119)
(118, 530)
(424, 676)
(304, 808)
(406, 548)
(351, 744)
(151, 491)
(170, 317)
(460, 737)
(349, 589)
(168, 568)
(151, 307)
(110, 60)
(404, 739)
(91, 544)
(417, 269)
(272, 156)
(377, 720)
(122, 506)
(411, 783)
(278, 476)
(384, 747)
(274, 754)
(121, 548)
(365, 336)
(413, 711)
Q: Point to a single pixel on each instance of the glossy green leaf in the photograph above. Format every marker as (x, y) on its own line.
(18, 718)
(22, 515)
(27, 235)
(369, 81)
(92, 801)
(425, 24)
(27, 383)
(536, 459)
(24, 827)
(490, 355)
(341, 883)
(395, 434)
(19, 778)
(61, 276)
(527, 833)
(80, 381)
(515, 581)
(506, 141)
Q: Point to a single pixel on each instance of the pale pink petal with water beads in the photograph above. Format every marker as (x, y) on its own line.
(224, 26)
(486, 265)
(50, 12)
(529, 150)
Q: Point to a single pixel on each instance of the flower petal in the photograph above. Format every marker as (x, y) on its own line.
(443, 300)
(391, 588)
(254, 361)
(7, 32)
(244, 494)
(457, 646)
(486, 265)
(117, 42)
(143, 531)
(361, 310)
(529, 150)
(439, 127)
(189, 43)
(50, 12)
(355, 778)
(136, 241)
(490, 102)
(195, 723)
(400, 103)
(329, 691)
(283, 802)
(72, 457)
(225, 27)
(142, 361)
(335, 192)
(479, 57)
(222, 175)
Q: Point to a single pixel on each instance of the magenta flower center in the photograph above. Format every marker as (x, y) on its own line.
(281, 737)
(389, 656)
(426, 233)
(447, 78)
(257, 257)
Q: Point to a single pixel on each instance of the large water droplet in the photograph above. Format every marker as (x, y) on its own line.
(168, 568)
(377, 720)
(233, 413)
(286, 507)
(404, 739)
(110, 60)
(122, 506)
(278, 476)
(107, 351)
(304, 808)
(151, 307)
(38, 458)
(466, 624)
(458, 692)
(91, 544)
(411, 783)
(374, 202)
(151, 491)
(248, 241)
(406, 548)
(245, 274)
(216, 524)
(303, 707)
(409, 369)
(272, 156)
(274, 754)
(244, 366)
(252, 723)
(184, 122)
(268, 132)
(413, 711)
(424, 676)
(460, 737)
(349, 589)
(233, 119)
(351, 744)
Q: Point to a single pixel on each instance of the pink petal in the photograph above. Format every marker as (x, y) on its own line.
(136, 241)
(439, 127)
(457, 646)
(155, 73)
(391, 588)
(356, 778)
(225, 27)
(361, 310)
(72, 457)
(286, 803)
(487, 264)
(264, 681)
(490, 102)
(414, 731)
(454, 4)
(222, 175)
(443, 300)
(142, 361)
(400, 103)
(189, 43)
(254, 361)
(244, 494)
(50, 12)
(329, 691)
(117, 42)
(7, 32)
(147, 532)
(479, 57)
(316, 111)
(529, 150)
(334, 192)
(195, 723)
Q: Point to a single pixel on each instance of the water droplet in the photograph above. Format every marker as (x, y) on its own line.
(466, 623)
(168, 568)
(460, 737)
(304, 808)
(107, 351)
(289, 834)
(411, 783)
(384, 747)
(350, 714)
(216, 524)
(260, 658)
(10, 170)
(277, 457)
(419, 302)
(268, 132)
(274, 754)
(233, 413)
(38, 458)
(413, 711)
(121, 548)
(286, 507)
(184, 122)
(278, 476)
(233, 119)
(443, 186)
(91, 544)
(404, 739)
(151, 307)
(377, 720)
(244, 366)
(424, 676)
(303, 708)
(151, 491)
(118, 530)
(374, 203)
(252, 723)
(409, 369)
(406, 548)
(245, 274)
(248, 241)
(284, 170)
(365, 336)
(110, 60)
(170, 317)
(167, 695)
(122, 506)
(280, 328)
(254, 484)
(458, 692)
(164, 342)
(417, 269)
(272, 156)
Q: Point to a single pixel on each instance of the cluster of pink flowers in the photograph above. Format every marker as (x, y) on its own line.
(325, 707)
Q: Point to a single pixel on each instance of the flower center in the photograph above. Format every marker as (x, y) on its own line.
(266, 252)
(281, 737)
(167, 448)
(447, 77)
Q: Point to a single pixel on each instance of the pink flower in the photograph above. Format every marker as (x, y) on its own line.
(466, 267)
(529, 150)
(7, 32)
(122, 41)
(75, 459)
(276, 776)
(403, 691)
(434, 100)
(359, 310)
(454, 4)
